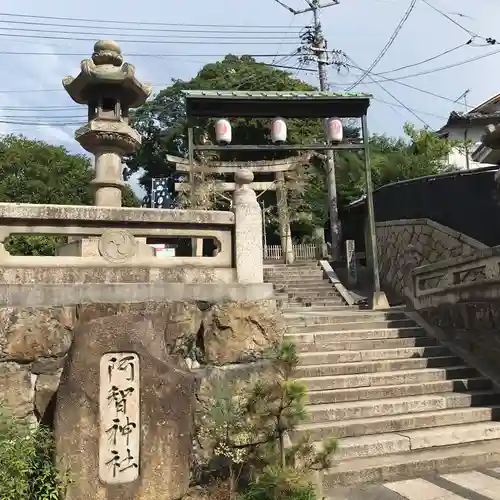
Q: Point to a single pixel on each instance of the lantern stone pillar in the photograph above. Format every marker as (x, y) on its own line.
(284, 219)
(109, 88)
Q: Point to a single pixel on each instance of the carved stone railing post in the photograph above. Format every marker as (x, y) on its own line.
(249, 256)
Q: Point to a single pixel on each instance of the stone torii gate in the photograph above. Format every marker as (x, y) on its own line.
(276, 167)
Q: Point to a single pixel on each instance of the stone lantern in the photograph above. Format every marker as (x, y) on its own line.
(109, 88)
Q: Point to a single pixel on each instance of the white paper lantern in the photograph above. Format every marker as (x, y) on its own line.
(334, 130)
(223, 133)
(278, 130)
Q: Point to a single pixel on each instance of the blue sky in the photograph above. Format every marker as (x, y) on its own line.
(30, 89)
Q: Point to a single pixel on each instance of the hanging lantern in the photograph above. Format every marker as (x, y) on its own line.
(334, 130)
(278, 130)
(223, 132)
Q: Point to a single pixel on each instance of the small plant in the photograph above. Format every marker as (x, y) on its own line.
(247, 425)
(27, 470)
(280, 483)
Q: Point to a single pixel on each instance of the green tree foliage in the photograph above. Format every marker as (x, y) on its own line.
(37, 172)
(162, 121)
(420, 153)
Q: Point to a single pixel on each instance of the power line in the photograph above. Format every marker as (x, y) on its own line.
(394, 97)
(150, 29)
(407, 85)
(413, 109)
(442, 68)
(423, 61)
(138, 23)
(388, 45)
(456, 23)
(125, 40)
(150, 35)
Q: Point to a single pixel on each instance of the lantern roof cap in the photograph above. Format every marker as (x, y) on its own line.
(106, 69)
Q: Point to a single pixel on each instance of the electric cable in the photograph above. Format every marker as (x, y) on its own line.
(394, 97)
(138, 23)
(388, 45)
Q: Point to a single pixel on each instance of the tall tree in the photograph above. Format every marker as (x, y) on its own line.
(419, 154)
(37, 172)
(162, 121)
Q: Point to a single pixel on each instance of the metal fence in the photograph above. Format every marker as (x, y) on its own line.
(302, 251)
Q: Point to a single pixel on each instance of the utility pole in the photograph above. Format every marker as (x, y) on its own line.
(317, 45)
(466, 131)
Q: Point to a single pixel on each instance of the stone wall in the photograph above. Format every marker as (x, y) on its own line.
(405, 244)
(34, 342)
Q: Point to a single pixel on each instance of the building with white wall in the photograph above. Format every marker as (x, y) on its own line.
(470, 127)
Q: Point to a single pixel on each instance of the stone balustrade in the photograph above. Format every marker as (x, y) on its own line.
(460, 298)
(107, 244)
(117, 229)
(461, 278)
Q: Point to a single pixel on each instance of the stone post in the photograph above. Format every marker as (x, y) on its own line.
(352, 263)
(284, 219)
(248, 248)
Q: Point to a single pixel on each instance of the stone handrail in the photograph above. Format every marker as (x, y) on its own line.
(116, 230)
(457, 279)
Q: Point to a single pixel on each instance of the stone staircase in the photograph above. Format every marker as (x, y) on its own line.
(384, 388)
(303, 285)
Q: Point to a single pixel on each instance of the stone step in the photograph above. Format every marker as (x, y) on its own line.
(359, 345)
(399, 406)
(397, 377)
(397, 391)
(297, 308)
(419, 462)
(304, 283)
(297, 272)
(360, 334)
(383, 444)
(376, 366)
(297, 263)
(349, 326)
(312, 294)
(352, 316)
(319, 431)
(344, 356)
(324, 303)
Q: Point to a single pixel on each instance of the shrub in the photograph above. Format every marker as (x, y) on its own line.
(277, 483)
(27, 470)
(246, 425)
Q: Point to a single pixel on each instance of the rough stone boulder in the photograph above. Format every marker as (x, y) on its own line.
(237, 332)
(33, 345)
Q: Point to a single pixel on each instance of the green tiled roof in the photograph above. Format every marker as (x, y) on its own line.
(243, 94)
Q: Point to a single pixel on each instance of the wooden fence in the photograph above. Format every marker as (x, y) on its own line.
(302, 251)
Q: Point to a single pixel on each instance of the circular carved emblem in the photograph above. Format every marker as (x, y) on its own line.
(117, 245)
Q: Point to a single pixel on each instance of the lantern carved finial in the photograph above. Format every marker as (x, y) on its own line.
(107, 52)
